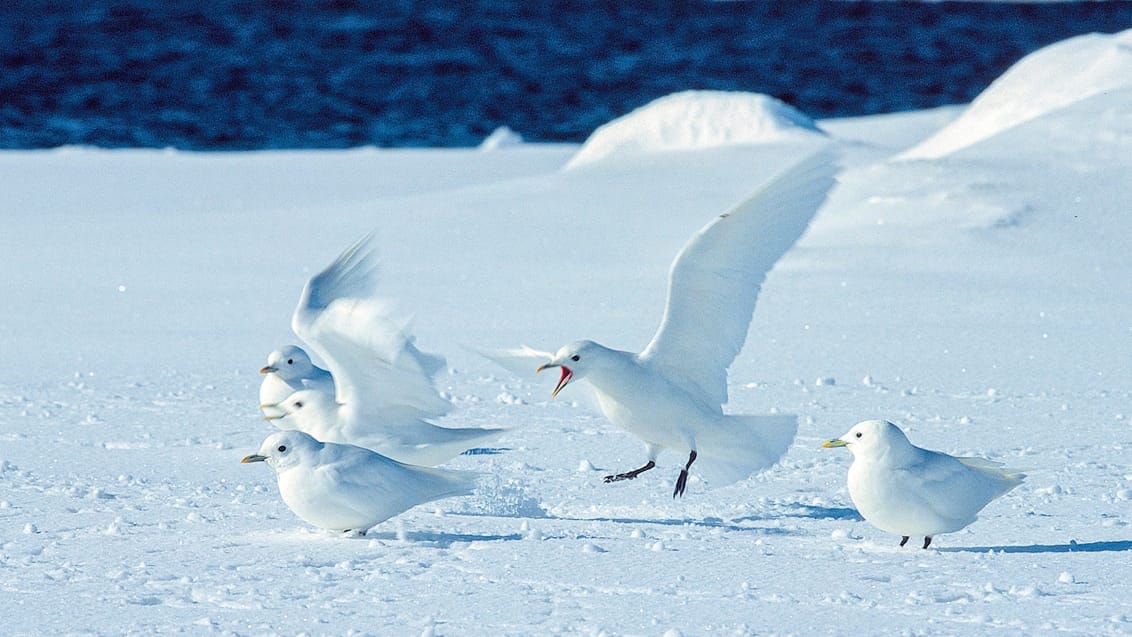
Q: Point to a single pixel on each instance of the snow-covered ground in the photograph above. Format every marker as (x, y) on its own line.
(975, 289)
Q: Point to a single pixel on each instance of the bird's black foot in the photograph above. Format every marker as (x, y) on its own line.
(903, 540)
(681, 484)
(629, 475)
(682, 481)
(927, 541)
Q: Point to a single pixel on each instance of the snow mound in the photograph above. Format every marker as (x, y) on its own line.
(501, 137)
(1044, 81)
(693, 120)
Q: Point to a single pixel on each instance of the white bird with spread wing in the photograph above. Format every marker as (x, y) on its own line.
(903, 489)
(671, 395)
(383, 387)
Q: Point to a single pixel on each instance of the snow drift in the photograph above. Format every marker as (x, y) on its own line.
(1044, 81)
(695, 120)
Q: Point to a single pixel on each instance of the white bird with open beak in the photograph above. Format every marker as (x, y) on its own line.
(671, 395)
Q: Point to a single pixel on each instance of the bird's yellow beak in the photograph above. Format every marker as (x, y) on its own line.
(836, 442)
(255, 457)
(267, 370)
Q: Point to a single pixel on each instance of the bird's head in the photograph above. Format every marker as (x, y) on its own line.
(300, 406)
(871, 439)
(576, 360)
(290, 363)
(284, 449)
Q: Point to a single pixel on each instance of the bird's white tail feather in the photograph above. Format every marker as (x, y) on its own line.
(742, 446)
(447, 484)
(425, 444)
(1004, 479)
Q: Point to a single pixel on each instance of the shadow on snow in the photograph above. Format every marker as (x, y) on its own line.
(485, 451)
(808, 512)
(1071, 547)
(734, 524)
(438, 540)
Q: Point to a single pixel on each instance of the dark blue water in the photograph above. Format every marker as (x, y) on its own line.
(240, 74)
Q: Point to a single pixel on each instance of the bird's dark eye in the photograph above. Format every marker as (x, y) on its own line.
(575, 358)
(282, 448)
(299, 405)
(290, 361)
(858, 434)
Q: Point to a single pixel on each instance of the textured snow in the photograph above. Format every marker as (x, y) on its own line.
(981, 301)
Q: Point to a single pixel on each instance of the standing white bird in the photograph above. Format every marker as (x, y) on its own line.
(903, 489)
(288, 370)
(383, 387)
(671, 395)
(348, 488)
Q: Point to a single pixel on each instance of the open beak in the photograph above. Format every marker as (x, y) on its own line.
(255, 457)
(268, 370)
(567, 374)
(836, 442)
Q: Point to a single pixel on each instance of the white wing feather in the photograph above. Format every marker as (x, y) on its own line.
(523, 361)
(365, 345)
(520, 361)
(371, 484)
(715, 279)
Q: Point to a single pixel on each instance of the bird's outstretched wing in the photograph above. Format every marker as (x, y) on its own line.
(523, 361)
(364, 342)
(715, 279)
(520, 361)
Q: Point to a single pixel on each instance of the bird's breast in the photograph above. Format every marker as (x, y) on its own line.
(650, 407)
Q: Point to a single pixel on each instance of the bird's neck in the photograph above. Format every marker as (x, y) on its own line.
(898, 456)
(620, 373)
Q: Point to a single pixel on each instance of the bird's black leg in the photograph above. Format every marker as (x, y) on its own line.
(682, 481)
(629, 475)
(927, 541)
(903, 540)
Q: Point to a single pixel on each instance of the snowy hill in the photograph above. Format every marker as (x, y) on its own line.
(696, 120)
(1049, 79)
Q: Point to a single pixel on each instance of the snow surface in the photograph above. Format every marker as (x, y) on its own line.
(980, 300)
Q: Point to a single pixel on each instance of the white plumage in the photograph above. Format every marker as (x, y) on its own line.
(671, 394)
(383, 384)
(348, 488)
(288, 370)
(903, 489)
